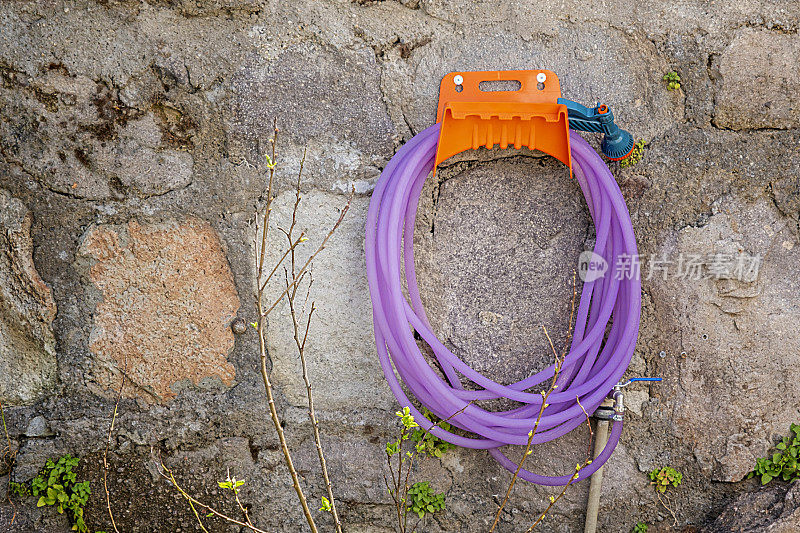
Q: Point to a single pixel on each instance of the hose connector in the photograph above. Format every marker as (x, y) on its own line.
(619, 403)
(619, 397)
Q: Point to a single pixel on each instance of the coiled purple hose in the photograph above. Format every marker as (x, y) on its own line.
(591, 368)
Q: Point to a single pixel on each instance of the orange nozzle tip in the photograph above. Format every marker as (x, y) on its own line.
(621, 158)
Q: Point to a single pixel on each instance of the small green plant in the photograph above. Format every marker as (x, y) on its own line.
(640, 527)
(673, 80)
(56, 485)
(232, 484)
(665, 477)
(418, 497)
(326, 505)
(428, 444)
(422, 499)
(20, 489)
(636, 155)
(407, 419)
(784, 462)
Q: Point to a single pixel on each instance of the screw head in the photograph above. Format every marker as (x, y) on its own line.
(458, 79)
(541, 77)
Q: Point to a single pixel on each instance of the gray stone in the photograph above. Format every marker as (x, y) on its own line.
(340, 351)
(760, 82)
(774, 508)
(732, 313)
(27, 344)
(60, 133)
(325, 99)
(482, 264)
(38, 427)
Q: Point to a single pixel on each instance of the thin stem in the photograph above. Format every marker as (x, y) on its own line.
(268, 209)
(586, 463)
(668, 508)
(531, 434)
(291, 248)
(588, 424)
(301, 349)
(166, 473)
(108, 446)
(404, 497)
(552, 503)
(12, 455)
(277, 423)
(235, 490)
(300, 343)
(557, 365)
(262, 314)
(402, 511)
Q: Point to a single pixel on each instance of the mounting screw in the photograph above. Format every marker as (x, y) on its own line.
(458, 79)
(541, 77)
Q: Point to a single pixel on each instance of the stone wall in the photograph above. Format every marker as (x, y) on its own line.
(131, 140)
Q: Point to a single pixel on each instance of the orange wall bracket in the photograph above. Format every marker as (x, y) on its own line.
(530, 116)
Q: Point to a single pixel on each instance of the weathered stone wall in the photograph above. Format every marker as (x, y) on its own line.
(131, 142)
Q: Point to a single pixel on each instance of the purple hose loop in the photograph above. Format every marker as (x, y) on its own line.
(595, 362)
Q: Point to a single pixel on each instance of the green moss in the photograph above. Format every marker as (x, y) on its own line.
(673, 80)
(636, 155)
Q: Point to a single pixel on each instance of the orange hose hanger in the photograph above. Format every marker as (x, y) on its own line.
(535, 116)
(531, 116)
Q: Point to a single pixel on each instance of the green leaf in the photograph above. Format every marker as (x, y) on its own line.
(766, 478)
(41, 502)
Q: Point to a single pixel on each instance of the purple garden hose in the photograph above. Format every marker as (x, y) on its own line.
(590, 369)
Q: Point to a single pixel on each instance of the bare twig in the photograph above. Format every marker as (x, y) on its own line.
(262, 279)
(263, 312)
(167, 474)
(10, 456)
(105, 452)
(528, 451)
(588, 424)
(291, 248)
(553, 502)
(300, 343)
(559, 360)
(262, 341)
(578, 469)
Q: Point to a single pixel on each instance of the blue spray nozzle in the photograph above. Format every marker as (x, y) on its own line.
(617, 143)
